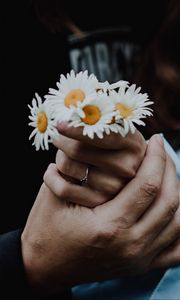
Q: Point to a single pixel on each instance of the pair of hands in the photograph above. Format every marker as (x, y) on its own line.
(64, 243)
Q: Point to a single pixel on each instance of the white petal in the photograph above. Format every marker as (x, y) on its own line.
(132, 127)
(38, 99)
(99, 134)
(33, 133)
(46, 144)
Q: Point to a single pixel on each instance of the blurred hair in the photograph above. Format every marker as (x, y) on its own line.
(52, 14)
(159, 75)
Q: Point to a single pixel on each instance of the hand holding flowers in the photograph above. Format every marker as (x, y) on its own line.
(99, 108)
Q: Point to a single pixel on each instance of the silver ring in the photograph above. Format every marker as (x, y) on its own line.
(85, 178)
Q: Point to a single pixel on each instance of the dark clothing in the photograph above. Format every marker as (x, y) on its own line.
(10, 255)
(12, 275)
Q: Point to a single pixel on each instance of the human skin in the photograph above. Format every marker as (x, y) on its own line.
(111, 161)
(64, 244)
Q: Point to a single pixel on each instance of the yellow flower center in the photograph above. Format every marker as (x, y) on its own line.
(73, 97)
(124, 110)
(92, 114)
(42, 122)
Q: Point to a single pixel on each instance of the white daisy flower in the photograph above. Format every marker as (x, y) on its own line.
(115, 127)
(106, 86)
(43, 120)
(94, 115)
(131, 107)
(72, 89)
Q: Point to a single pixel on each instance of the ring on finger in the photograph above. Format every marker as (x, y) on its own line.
(84, 180)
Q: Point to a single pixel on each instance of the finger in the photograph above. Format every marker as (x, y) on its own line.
(67, 191)
(141, 191)
(70, 167)
(104, 182)
(97, 179)
(168, 235)
(112, 141)
(122, 163)
(163, 209)
(168, 258)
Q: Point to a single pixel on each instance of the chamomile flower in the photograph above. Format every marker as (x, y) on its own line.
(42, 120)
(94, 115)
(72, 89)
(115, 127)
(131, 107)
(106, 86)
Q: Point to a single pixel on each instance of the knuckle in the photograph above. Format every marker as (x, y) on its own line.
(48, 172)
(124, 222)
(61, 190)
(131, 170)
(98, 200)
(150, 187)
(113, 186)
(172, 202)
(134, 251)
(127, 167)
(172, 208)
(51, 166)
(64, 165)
(138, 244)
(103, 234)
(45, 176)
(139, 149)
(139, 146)
(135, 235)
(75, 150)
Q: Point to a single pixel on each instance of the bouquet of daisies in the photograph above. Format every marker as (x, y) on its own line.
(81, 100)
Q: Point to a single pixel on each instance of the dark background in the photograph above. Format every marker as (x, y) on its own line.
(32, 60)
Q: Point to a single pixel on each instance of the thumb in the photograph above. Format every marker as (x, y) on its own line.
(139, 193)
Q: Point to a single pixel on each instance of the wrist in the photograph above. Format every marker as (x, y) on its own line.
(29, 261)
(34, 272)
(39, 275)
